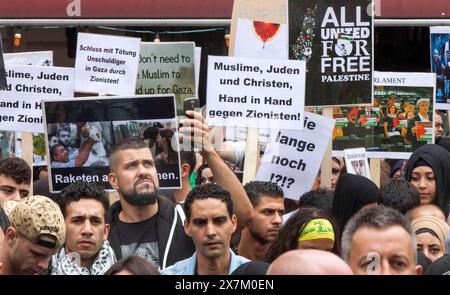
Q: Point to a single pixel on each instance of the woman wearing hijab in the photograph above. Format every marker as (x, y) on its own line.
(428, 169)
(352, 193)
(431, 233)
(308, 228)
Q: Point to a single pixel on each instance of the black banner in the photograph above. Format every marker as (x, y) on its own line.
(334, 37)
(2, 67)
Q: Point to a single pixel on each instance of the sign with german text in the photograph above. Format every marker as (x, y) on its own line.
(106, 64)
(356, 162)
(20, 102)
(255, 93)
(81, 132)
(293, 157)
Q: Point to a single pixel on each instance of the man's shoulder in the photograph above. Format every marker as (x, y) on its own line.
(183, 267)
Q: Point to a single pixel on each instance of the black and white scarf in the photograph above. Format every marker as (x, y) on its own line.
(63, 264)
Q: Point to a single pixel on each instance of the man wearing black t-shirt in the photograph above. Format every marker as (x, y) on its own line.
(143, 223)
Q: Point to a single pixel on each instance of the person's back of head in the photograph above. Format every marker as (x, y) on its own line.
(352, 193)
(309, 262)
(133, 265)
(321, 198)
(399, 194)
(425, 210)
(253, 268)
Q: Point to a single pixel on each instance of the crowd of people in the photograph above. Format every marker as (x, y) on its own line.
(215, 225)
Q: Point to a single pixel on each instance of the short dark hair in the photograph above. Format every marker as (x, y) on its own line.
(53, 150)
(130, 143)
(255, 190)
(322, 198)
(82, 190)
(188, 157)
(206, 191)
(134, 264)
(379, 218)
(67, 129)
(399, 194)
(17, 169)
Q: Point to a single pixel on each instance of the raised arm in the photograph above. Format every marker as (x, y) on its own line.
(222, 173)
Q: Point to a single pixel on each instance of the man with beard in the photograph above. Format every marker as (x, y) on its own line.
(267, 199)
(142, 223)
(210, 222)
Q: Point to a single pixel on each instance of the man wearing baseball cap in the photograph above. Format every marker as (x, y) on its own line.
(36, 232)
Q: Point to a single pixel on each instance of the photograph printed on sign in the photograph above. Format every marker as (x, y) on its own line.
(440, 64)
(335, 40)
(7, 144)
(394, 124)
(81, 133)
(79, 144)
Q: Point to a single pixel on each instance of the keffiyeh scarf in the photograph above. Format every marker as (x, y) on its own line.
(63, 264)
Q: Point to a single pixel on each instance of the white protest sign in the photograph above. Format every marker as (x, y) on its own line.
(198, 63)
(20, 103)
(257, 39)
(35, 58)
(255, 93)
(106, 64)
(356, 162)
(293, 157)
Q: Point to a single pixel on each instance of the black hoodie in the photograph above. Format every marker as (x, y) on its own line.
(179, 247)
(439, 160)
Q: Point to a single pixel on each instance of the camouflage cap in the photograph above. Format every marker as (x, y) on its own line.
(36, 216)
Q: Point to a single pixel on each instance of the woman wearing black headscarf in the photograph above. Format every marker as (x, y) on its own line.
(352, 193)
(428, 169)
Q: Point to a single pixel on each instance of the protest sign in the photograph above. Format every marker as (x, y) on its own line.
(2, 67)
(106, 64)
(166, 68)
(80, 133)
(258, 39)
(388, 129)
(255, 93)
(356, 162)
(33, 58)
(198, 63)
(20, 102)
(440, 48)
(292, 158)
(335, 40)
(271, 11)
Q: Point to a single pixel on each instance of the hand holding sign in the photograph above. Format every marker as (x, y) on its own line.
(196, 130)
